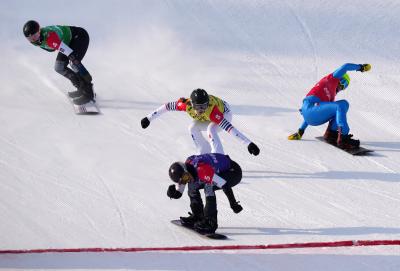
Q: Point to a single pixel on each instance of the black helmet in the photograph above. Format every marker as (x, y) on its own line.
(178, 173)
(199, 97)
(176, 170)
(30, 28)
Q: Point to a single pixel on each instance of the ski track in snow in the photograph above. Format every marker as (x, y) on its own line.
(117, 206)
(307, 33)
(386, 168)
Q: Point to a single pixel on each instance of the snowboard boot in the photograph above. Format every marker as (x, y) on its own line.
(75, 94)
(77, 82)
(207, 225)
(330, 135)
(87, 94)
(190, 220)
(196, 215)
(346, 142)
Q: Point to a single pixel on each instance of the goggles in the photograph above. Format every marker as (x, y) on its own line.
(186, 177)
(34, 38)
(344, 82)
(200, 107)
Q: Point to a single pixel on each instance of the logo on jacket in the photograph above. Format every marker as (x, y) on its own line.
(327, 93)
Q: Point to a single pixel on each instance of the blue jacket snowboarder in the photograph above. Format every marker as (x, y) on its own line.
(319, 106)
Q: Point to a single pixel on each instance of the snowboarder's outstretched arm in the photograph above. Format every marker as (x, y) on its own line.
(217, 117)
(350, 67)
(171, 106)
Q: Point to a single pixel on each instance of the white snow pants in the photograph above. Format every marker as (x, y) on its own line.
(212, 144)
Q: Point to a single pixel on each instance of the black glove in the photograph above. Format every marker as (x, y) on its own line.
(173, 193)
(145, 122)
(236, 207)
(253, 149)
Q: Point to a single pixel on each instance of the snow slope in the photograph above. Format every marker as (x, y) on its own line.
(70, 181)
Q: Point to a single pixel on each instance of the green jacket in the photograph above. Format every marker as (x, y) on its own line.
(63, 32)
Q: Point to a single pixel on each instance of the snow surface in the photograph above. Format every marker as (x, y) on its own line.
(69, 181)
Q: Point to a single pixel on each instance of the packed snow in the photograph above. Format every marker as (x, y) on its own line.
(69, 181)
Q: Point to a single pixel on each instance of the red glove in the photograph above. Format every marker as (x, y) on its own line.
(205, 172)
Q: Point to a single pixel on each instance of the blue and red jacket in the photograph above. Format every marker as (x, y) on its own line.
(325, 89)
(209, 164)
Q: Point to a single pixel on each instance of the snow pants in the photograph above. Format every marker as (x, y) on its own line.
(213, 143)
(319, 113)
(232, 176)
(79, 44)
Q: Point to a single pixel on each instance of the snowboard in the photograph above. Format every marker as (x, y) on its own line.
(90, 108)
(360, 151)
(215, 236)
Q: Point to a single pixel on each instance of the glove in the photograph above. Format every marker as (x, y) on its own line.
(145, 122)
(365, 67)
(173, 193)
(253, 149)
(297, 135)
(236, 207)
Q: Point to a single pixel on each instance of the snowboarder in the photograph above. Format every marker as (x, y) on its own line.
(72, 43)
(319, 107)
(210, 172)
(209, 113)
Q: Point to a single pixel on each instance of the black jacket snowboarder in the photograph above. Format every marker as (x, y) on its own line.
(72, 43)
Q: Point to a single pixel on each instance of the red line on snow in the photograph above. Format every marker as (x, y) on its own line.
(349, 243)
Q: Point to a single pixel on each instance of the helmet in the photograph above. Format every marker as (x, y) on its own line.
(179, 173)
(176, 170)
(344, 81)
(31, 28)
(199, 97)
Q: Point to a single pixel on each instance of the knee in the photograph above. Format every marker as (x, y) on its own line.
(237, 170)
(75, 68)
(60, 67)
(192, 127)
(344, 105)
(211, 129)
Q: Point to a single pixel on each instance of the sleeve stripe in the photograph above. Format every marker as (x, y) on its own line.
(171, 106)
(226, 125)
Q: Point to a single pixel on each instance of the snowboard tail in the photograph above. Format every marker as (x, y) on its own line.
(360, 151)
(215, 236)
